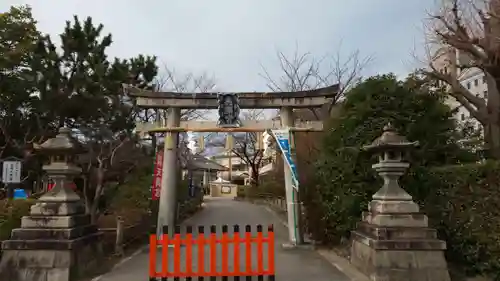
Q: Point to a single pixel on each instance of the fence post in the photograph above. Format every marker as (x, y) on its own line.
(119, 236)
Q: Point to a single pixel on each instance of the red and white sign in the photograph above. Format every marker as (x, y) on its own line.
(158, 168)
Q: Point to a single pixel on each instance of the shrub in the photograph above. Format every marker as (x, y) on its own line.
(11, 212)
(462, 203)
(345, 180)
(242, 191)
(272, 187)
(134, 194)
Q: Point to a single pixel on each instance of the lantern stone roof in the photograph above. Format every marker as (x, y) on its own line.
(390, 139)
(63, 141)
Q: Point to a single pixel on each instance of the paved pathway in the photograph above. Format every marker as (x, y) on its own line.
(291, 265)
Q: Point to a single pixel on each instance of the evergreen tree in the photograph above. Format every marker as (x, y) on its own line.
(346, 181)
(44, 86)
(22, 120)
(84, 89)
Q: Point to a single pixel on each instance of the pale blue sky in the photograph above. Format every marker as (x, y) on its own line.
(232, 39)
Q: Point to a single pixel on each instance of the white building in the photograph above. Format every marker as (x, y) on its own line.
(473, 79)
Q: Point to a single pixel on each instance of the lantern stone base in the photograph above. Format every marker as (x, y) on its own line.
(52, 247)
(66, 260)
(395, 253)
(56, 209)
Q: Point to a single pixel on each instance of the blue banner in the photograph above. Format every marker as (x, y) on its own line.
(283, 139)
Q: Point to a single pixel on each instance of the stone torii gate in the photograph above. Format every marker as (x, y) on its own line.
(228, 105)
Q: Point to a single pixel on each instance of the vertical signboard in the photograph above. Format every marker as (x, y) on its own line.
(283, 139)
(11, 172)
(158, 170)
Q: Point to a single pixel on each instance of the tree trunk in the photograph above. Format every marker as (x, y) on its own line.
(94, 210)
(86, 194)
(10, 190)
(62, 121)
(492, 128)
(254, 179)
(492, 141)
(154, 141)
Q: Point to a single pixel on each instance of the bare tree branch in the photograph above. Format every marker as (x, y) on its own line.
(464, 36)
(302, 72)
(249, 147)
(170, 80)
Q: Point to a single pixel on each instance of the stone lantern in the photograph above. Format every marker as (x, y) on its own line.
(61, 169)
(391, 147)
(57, 241)
(393, 241)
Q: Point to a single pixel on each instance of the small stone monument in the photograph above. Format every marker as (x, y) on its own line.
(56, 242)
(393, 242)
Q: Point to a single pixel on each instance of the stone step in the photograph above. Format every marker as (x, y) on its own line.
(54, 221)
(52, 233)
(396, 219)
(396, 233)
(56, 209)
(48, 244)
(406, 207)
(409, 244)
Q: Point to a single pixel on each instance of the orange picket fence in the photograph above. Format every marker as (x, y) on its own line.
(209, 245)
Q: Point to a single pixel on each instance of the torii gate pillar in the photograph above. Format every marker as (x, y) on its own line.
(295, 234)
(168, 195)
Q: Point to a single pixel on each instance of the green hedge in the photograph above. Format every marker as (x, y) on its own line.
(134, 194)
(268, 187)
(462, 202)
(11, 212)
(460, 196)
(344, 178)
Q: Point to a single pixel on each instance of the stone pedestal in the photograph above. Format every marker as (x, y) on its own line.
(56, 242)
(395, 246)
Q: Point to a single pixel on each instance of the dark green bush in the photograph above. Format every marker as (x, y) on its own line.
(345, 180)
(462, 203)
(183, 190)
(460, 197)
(11, 212)
(269, 187)
(272, 187)
(134, 194)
